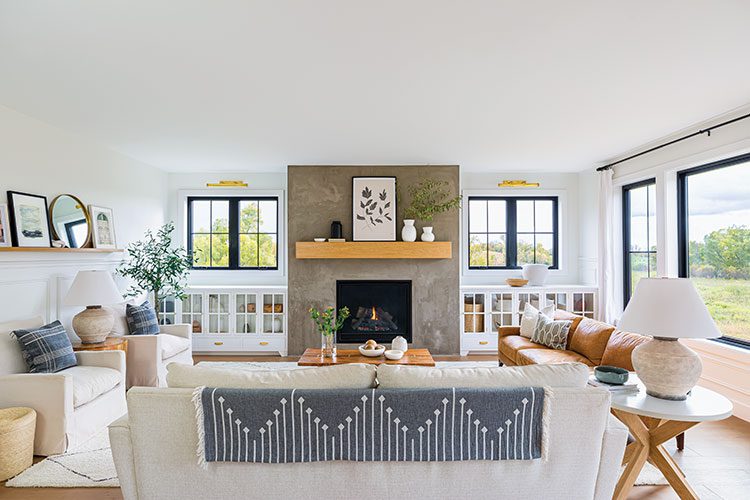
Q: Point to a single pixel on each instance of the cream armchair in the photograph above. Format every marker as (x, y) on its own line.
(149, 355)
(71, 405)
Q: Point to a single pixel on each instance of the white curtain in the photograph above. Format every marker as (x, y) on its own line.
(606, 251)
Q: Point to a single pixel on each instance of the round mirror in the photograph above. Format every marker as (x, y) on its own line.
(70, 221)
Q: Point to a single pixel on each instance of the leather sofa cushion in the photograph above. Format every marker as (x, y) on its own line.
(575, 321)
(590, 339)
(90, 382)
(620, 347)
(549, 356)
(172, 345)
(511, 344)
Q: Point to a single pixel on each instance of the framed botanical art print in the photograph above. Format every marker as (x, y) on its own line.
(374, 208)
(29, 220)
(104, 227)
(4, 226)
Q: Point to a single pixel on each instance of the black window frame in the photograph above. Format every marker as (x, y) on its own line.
(683, 243)
(626, 251)
(234, 231)
(511, 239)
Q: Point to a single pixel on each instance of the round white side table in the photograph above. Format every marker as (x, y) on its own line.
(652, 422)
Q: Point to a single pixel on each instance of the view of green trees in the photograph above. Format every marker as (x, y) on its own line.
(211, 247)
(493, 254)
(722, 254)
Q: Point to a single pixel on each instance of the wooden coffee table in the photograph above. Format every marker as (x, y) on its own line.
(414, 357)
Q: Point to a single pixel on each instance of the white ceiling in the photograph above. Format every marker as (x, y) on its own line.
(490, 85)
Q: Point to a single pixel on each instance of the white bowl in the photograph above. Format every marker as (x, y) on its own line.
(372, 353)
(394, 354)
(319, 240)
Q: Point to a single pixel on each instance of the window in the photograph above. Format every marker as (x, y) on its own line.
(639, 233)
(714, 241)
(233, 232)
(508, 232)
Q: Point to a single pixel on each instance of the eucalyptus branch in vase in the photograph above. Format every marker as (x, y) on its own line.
(429, 198)
(328, 323)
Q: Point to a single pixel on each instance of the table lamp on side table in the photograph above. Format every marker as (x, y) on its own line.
(667, 309)
(93, 289)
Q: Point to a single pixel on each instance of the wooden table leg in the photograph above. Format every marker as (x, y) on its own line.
(637, 453)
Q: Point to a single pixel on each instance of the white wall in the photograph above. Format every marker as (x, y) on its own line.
(726, 369)
(566, 186)
(38, 158)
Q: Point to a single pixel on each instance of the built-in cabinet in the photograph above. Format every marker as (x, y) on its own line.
(232, 319)
(484, 309)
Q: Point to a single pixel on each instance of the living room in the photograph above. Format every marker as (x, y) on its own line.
(513, 236)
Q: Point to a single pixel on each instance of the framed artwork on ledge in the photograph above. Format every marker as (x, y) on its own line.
(374, 208)
(104, 227)
(4, 226)
(29, 220)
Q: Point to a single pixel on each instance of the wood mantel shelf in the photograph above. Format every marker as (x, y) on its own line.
(60, 250)
(374, 250)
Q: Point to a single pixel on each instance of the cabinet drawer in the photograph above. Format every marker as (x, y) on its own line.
(479, 342)
(266, 343)
(217, 344)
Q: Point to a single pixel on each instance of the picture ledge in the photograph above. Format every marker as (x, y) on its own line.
(61, 250)
(374, 250)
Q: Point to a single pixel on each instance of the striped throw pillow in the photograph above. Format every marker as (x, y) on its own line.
(142, 319)
(551, 333)
(46, 349)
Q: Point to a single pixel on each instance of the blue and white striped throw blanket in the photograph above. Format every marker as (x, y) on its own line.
(435, 425)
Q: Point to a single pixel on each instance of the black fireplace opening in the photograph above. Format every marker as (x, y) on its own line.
(378, 310)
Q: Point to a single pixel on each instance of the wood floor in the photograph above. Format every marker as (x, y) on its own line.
(716, 458)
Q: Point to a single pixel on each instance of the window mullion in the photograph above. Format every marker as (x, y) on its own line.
(512, 239)
(234, 233)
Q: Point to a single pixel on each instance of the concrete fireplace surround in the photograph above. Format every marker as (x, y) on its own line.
(318, 195)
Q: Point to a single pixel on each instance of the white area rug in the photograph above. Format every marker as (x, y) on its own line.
(88, 466)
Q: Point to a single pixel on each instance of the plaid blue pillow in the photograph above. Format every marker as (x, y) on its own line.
(142, 319)
(46, 349)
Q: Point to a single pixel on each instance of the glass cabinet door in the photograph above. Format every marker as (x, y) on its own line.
(473, 312)
(166, 311)
(527, 298)
(583, 304)
(246, 313)
(559, 299)
(192, 311)
(218, 313)
(273, 313)
(502, 309)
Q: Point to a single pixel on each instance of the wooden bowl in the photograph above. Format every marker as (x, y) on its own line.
(516, 282)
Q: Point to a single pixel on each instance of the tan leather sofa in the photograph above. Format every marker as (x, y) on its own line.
(589, 341)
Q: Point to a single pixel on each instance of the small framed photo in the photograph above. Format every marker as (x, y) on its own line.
(104, 227)
(374, 208)
(29, 220)
(5, 239)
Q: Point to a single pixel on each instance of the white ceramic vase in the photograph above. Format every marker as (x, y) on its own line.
(427, 234)
(400, 344)
(409, 232)
(535, 273)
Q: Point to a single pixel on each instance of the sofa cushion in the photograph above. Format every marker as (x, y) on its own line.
(46, 349)
(172, 345)
(530, 318)
(575, 321)
(620, 347)
(11, 358)
(120, 326)
(590, 339)
(403, 376)
(551, 333)
(549, 356)
(511, 344)
(349, 376)
(90, 382)
(142, 319)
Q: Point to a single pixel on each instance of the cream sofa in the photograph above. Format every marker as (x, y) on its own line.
(71, 405)
(154, 449)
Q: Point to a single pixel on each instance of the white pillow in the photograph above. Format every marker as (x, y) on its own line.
(531, 316)
(348, 376)
(557, 375)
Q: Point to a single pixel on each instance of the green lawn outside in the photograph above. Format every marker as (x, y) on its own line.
(728, 302)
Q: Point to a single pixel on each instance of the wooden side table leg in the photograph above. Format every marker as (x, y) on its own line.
(636, 453)
(681, 442)
(676, 479)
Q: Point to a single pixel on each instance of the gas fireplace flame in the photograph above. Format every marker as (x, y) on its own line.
(374, 314)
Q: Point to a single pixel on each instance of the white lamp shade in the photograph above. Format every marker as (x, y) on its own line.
(91, 288)
(668, 307)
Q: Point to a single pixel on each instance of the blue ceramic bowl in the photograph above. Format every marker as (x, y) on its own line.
(611, 374)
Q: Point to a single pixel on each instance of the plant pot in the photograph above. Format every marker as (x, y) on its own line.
(328, 345)
(427, 234)
(409, 232)
(535, 273)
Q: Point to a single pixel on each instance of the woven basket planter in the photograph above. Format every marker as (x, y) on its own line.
(16, 441)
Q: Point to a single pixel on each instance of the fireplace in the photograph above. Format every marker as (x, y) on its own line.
(378, 310)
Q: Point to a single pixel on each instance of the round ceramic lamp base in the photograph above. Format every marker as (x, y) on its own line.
(93, 324)
(667, 368)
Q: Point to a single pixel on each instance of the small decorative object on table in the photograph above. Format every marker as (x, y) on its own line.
(516, 282)
(611, 374)
(337, 230)
(319, 240)
(394, 354)
(399, 343)
(409, 232)
(371, 349)
(93, 289)
(429, 198)
(328, 323)
(535, 274)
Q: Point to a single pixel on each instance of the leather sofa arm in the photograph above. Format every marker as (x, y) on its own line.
(504, 331)
(183, 330)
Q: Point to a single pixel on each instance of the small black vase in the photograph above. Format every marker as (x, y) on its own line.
(336, 229)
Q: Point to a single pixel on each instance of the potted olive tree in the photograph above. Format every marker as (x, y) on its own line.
(429, 198)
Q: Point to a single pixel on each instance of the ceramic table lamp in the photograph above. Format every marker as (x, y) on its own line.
(668, 309)
(93, 289)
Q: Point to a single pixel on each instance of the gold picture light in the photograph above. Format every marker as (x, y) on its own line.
(517, 184)
(227, 184)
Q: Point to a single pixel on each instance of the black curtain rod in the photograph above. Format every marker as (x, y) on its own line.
(689, 136)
